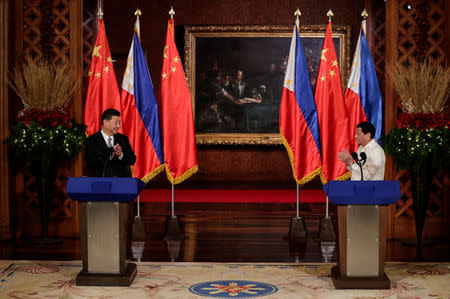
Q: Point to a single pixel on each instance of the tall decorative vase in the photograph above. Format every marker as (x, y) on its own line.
(44, 172)
(421, 182)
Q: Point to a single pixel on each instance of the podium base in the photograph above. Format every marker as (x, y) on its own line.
(125, 279)
(297, 230)
(344, 282)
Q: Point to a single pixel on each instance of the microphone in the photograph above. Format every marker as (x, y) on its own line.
(358, 161)
(363, 158)
(109, 153)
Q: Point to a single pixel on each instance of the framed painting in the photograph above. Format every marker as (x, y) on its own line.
(236, 73)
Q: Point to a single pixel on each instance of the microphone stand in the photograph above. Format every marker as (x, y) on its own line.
(360, 167)
(362, 161)
(109, 152)
(358, 162)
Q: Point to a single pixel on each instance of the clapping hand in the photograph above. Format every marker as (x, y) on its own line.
(345, 156)
(118, 150)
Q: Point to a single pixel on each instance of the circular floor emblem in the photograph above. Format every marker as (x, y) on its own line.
(233, 289)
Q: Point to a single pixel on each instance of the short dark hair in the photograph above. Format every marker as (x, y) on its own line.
(367, 127)
(109, 113)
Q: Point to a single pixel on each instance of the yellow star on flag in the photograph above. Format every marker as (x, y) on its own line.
(96, 51)
(174, 69)
(164, 54)
(164, 75)
(90, 73)
(332, 73)
(322, 78)
(288, 81)
(109, 59)
(106, 69)
(98, 75)
(176, 59)
(323, 55)
(335, 63)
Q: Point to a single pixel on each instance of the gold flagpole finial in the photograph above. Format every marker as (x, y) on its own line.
(138, 13)
(171, 12)
(100, 13)
(330, 14)
(364, 14)
(297, 15)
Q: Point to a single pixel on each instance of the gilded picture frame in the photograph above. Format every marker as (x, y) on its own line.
(235, 76)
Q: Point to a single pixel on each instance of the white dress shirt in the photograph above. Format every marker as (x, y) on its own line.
(373, 169)
(106, 137)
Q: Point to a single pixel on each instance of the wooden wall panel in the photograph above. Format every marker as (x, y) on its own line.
(5, 232)
(47, 29)
(415, 30)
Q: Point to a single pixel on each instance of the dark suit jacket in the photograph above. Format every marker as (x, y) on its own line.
(97, 156)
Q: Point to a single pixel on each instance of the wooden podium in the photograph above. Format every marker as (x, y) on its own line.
(362, 212)
(104, 224)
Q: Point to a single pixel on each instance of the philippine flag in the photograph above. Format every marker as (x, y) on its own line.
(140, 118)
(363, 95)
(298, 116)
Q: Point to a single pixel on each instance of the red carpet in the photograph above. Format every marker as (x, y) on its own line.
(257, 196)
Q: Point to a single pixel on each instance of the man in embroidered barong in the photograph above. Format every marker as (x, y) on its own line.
(373, 168)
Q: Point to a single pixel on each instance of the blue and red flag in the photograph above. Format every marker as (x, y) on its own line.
(331, 113)
(140, 118)
(298, 116)
(363, 95)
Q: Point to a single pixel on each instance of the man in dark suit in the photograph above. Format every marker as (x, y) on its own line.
(109, 153)
(239, 86)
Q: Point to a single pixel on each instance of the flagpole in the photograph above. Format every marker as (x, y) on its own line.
(329, 15)
(326, 230)
(137, 13)
(138, 228)
(173, 201)
(174, 235)
(298, 195)
(297, 230)
(171, 13)
(100, 13)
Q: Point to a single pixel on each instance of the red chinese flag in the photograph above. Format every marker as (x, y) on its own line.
(102, 90)
(179, 147)
(331, 112)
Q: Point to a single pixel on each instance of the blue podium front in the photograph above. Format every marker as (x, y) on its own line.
(104, 224)
(362, 210)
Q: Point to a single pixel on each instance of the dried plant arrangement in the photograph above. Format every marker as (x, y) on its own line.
(44, 126)
(45, 85)
(423, 87)
(422, 132)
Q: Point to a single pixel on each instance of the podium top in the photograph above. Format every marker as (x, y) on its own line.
(103, 189)
(362, 192)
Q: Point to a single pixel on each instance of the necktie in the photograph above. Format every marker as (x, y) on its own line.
(110, 142)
